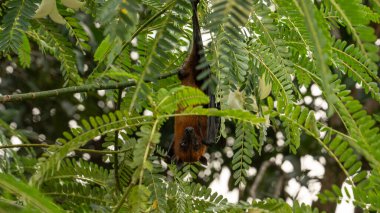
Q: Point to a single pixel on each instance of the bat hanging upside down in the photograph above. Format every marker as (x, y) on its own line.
(192, 134)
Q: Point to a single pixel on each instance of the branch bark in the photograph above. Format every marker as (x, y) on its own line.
(47, 146)
(260, 175)
(75, 89)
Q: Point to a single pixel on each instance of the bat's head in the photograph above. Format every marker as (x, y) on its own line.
(190, 139)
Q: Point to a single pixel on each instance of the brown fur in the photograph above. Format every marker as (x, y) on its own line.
(199, 123)
(192, 148)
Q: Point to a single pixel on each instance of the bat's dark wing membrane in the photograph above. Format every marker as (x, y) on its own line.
(205, 77)
(213, 122)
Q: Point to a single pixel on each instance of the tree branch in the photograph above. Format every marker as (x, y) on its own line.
(75, 89)
(47, 146)
(260, 175)
(279, 185)
(116, 145)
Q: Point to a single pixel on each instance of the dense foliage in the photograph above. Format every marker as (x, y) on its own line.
(107, 67)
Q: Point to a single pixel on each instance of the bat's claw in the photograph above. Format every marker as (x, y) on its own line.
(194, 1)
(207, 142)
(203, 160)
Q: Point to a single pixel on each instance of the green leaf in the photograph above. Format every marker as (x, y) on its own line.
(15, 23)
(138, 199)
(30, 194)
(24, 52)
(102, 49)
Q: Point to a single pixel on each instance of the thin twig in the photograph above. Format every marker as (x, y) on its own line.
(141, 28)
(145, 24)
(260, 175)
(279, 186)
(47, 146)
(123, 198)
(75, 89)
(116, 145)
